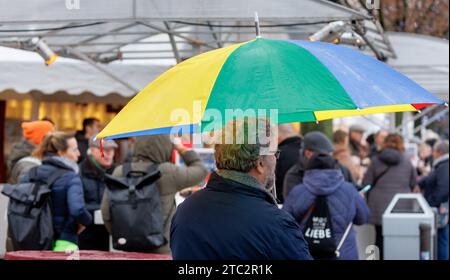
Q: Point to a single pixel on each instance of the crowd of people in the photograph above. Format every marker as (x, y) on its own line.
(380, 160)
(319, 186)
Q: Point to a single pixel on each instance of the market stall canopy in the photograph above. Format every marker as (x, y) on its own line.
(427, 62)
(103, 30)
(24, 72)
(50, 11)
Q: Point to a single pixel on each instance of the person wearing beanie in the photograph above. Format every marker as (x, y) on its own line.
(33, 133)
(324, 178)
(313, 142)
(20, 160)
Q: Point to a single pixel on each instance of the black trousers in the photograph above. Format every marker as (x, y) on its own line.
(379, 240)
(94, 237)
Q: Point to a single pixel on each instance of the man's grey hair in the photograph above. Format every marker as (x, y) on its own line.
(286, 130)
(441, 147)
(243, 142)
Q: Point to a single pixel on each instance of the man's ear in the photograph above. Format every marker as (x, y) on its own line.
(308, 153)
(260, 166)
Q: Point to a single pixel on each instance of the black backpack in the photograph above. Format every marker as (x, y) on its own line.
(318, 231)
(135, 209)
(30, 223)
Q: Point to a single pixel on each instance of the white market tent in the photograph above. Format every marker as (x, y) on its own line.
(171, 30)
(166, 31)
(424, 59)
(23, 72)
(104, 30)
(139, 31)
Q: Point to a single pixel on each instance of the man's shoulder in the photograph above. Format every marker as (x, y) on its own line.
(279, 220)
(442, 164)
(271, 214)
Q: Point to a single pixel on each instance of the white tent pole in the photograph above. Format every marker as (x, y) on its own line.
(392, 122)
(86, 58)
(258, 28)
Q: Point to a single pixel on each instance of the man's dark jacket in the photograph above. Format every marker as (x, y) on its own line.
(435, 186)
(231, 221)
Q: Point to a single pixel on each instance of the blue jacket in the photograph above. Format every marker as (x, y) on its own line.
(231, 221)
(68, 206)
(344, 203)
(94, 185)
(435, 186)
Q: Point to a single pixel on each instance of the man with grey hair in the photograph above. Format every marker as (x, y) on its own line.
(289, 143)
(235, 216)
(435, 190)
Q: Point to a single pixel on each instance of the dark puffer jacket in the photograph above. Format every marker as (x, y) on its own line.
(435, 185)
(295, 174)
(401, 177)
(344, 203)
(93, 180)
(68, 206)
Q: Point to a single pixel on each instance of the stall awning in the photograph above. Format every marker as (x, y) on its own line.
(426, 62)
(24, 72)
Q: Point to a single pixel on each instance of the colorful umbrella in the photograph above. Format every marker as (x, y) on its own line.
(304, 81)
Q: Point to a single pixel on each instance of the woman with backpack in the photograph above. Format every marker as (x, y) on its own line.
(389, 173)
(59, 154)
(326, 207)
(152, 157)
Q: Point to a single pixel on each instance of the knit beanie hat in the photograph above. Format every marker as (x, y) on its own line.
(35, 131)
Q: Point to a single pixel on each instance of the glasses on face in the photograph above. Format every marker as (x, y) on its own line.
(277, 154)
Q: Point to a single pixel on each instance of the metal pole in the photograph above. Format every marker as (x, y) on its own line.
(176, 53)
(99, 67)
(431, 120)
(214, 35)
(421, 114)
(392, 122)
(179, 35)
(380, 56)
(35, 103)
(258, 28)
